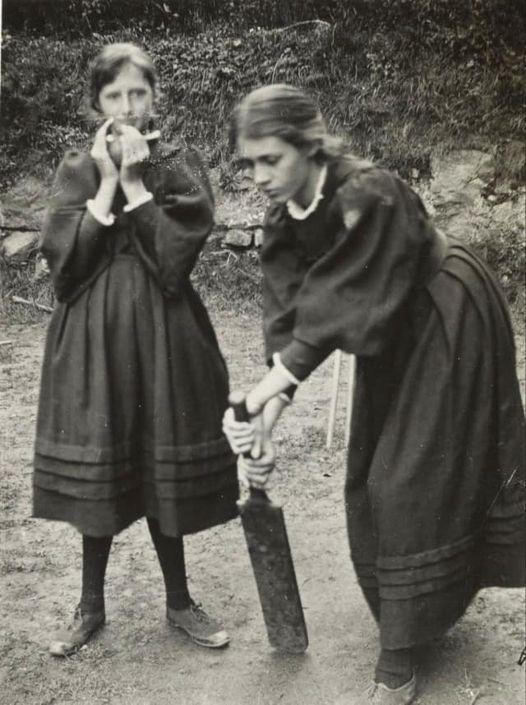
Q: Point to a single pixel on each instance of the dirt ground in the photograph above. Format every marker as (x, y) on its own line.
(139, 660)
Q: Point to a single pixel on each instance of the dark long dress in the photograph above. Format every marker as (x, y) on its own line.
(133, 383)
(436, 465)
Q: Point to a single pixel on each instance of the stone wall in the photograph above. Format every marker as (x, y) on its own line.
(465, 196)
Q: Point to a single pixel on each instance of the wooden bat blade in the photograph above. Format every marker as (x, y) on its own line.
(268, 545)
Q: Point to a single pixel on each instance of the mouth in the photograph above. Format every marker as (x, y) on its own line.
(272, 194)
(137, 121)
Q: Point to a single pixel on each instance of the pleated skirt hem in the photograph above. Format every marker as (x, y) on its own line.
(108, 517)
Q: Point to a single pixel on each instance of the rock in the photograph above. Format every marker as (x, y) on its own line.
(511, 214)
(238, 238)
(458, 180)
(511, 158)
(457, 197)
(454, 195)
(24, 204)
(18, 245)
(258, 237)
(41, 269)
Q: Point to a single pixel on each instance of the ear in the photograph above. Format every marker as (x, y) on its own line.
(311, 150)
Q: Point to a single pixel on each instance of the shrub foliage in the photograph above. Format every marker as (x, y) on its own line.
(395, 76)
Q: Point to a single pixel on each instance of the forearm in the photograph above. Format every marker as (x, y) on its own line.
(272, 384)
(271, 413)
(102, 202)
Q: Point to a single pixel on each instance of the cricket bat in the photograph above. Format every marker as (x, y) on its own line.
(269, 550)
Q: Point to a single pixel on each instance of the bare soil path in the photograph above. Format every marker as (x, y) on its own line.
(139, 660)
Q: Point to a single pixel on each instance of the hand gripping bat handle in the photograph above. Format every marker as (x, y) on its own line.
(237, 401)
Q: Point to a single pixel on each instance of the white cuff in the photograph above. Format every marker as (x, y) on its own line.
(138, 202)
(102, 219)
(285, 398)
(276, 359)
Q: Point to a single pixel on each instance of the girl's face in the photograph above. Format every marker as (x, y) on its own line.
(128, 98)
(280, 170)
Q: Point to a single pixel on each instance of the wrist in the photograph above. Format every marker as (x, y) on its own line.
(106, 192)
(108, 185)
(253, 404)
(133, 187)
(110, 179)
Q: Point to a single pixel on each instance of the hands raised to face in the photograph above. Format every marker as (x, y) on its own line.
(119, 155)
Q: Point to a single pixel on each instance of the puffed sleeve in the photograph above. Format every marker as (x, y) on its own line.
(73, 241)
(172, 228)
(283, 272)
(351, 296)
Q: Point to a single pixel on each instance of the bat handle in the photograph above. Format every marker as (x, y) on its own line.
(258, 495)
(237, 401)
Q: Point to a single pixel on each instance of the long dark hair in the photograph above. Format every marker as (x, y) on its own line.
(280, 110)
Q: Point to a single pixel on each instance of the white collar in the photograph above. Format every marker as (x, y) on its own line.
(299, 213)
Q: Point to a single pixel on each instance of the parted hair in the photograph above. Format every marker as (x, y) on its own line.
(281, 110)
(110, 60)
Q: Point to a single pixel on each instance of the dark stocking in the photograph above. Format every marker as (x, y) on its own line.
(95, 553)
(394, 667)
(373, 600)
(170, 551)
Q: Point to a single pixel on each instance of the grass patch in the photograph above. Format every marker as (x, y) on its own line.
(396, 79)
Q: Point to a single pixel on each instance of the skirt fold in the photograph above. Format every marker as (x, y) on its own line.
(435, 504)
(133, 392)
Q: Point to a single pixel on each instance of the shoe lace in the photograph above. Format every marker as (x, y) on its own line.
(199, 613)
(77, 617)
(74, 623)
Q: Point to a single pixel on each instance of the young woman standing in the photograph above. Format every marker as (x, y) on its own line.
(133, 383)
(435, 479)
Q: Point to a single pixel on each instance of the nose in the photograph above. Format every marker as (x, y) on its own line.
(126, 105)
(261, 175)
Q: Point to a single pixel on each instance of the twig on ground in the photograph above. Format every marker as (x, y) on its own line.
(219, 253)
(26, 302)
(231, 255)
(478, 694)
(320, 23)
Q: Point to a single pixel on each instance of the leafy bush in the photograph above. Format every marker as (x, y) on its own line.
(202, 78)
(503, 248)
(42, 90)
(468, 26)
(396, 78)
(394, 90)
